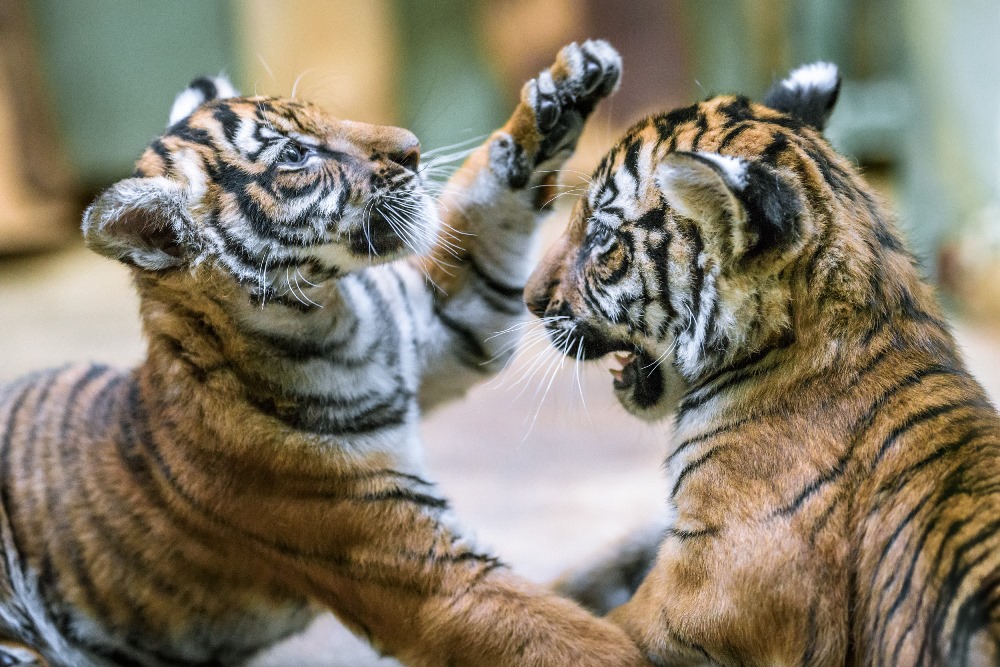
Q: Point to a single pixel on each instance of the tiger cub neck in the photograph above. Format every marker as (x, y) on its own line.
(328, 382)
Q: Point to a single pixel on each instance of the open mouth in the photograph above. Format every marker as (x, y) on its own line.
(625, 376)
(638, 374)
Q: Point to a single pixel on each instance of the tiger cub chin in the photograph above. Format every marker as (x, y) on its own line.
(263, 463)
(834, 473)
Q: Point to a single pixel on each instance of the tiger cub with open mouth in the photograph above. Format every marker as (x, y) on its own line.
(834, 472)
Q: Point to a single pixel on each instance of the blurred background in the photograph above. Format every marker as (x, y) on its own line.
(545, 477)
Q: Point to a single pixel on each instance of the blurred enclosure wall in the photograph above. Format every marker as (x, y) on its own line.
(86, 85)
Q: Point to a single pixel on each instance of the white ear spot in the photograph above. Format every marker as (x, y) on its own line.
(733, 168)
(820, 76)
(224, 87)
(200, 91)
(185, 103)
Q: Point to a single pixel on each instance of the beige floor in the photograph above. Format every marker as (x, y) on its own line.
(544, 485)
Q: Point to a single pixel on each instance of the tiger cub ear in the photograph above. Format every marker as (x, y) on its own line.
(201, 90)
(745, 205)
(807, 93)
(141, 221)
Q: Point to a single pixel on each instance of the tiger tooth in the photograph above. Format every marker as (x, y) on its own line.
(616, 374)
(624, 359)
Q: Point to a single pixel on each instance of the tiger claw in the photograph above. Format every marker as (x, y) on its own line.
(591, 74)
(563, 96)
(547, 112)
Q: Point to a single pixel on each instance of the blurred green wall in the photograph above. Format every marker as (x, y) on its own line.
(114, 67)
(447, 91)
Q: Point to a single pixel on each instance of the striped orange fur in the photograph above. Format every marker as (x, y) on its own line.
(834, 473)
(263, 463)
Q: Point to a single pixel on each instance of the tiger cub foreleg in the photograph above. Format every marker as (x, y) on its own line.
(397, 572)
(491, 210)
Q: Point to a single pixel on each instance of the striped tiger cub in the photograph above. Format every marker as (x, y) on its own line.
(834, 472)
(264, 462)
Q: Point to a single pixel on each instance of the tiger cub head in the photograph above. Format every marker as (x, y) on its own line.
(255, 187)
(709, 234)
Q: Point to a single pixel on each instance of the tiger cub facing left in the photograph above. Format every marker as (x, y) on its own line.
(263, 463)
(834, 468)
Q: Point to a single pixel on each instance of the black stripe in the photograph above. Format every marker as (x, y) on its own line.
(896, 533)
(307, 349)
(694, 440)
(702, 126)
(822, 519)
(683, 535)
(503, 289)
(13, 560)
(839, 469)
(927, 414)
(161, 150)
(131, 447)
(693, 466)
(51, 583)
(812, 636)
(321, 416)
(470, 350)
(895, 483)
(951, 486)
(160, 572)
(957, 575)
(93, 372)
(871, 367)
(398, 494)
(740, 374)
(904, 589)
(194, 135)
(168, 476)
(737, 110)
(33, 448)
(732, 134)
(631, 160)
(974, 616)
(667, 123)
(695, 271)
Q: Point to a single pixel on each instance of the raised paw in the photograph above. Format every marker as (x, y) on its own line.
(564, 95)
(546, 126)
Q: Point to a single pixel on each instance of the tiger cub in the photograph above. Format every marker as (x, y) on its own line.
(834, 474)
(263, 463)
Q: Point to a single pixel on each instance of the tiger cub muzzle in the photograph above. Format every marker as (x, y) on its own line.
(638, 376)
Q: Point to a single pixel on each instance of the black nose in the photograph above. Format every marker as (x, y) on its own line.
(408, 157)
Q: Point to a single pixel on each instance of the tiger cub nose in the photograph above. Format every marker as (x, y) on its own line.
(400, 146)
(393, 143)
(408, 157)
(537, 294)
(537, 304)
